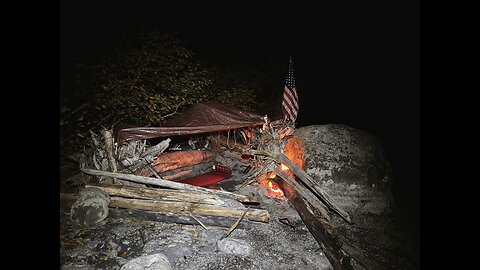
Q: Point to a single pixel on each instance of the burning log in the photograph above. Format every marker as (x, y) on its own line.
(179, 159)
(307, 180)
(170, 184)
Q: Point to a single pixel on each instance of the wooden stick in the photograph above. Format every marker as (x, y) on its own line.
(107, 137)
(170, 184)
(158, 194)
(157, 149)
(304, 192)
(148, 155)
(337, 252)
(153, 171)
(199, 222)
(318, 227)
(234, 226)
(184, 207)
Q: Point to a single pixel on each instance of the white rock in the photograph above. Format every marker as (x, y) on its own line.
(157, 261)
(234, 246)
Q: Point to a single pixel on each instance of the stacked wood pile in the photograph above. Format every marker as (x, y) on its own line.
(136, 182)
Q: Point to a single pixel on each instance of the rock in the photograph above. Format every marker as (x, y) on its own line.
(157, 261)
(91, 207)
(349, 164)
(234, 246)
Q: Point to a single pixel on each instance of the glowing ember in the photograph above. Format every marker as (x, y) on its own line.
(272, 189)
(283, 167)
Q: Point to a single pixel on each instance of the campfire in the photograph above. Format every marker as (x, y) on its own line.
(197, 186)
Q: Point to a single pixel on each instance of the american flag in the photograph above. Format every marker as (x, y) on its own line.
(290, 98)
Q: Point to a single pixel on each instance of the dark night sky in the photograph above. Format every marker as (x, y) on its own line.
(356, 64)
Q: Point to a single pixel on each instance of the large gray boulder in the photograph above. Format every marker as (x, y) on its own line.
(350, 165)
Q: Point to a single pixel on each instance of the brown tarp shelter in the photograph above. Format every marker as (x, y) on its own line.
(203, 117)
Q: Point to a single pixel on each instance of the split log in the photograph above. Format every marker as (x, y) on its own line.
(177, 175)
(175, 185)
(158, 194)
(225, 222)
(179, 159)
(304, 192)
(108, 139)
(194, 208)
(308, 181)
(337, 252)
(316, 226)
(157, 149)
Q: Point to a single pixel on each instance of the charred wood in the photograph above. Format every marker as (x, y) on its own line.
(320, 229)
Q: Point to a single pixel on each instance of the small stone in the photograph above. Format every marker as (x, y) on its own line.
(157, 261)
(234, 246)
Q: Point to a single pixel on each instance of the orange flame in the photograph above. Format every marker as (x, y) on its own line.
(273, 190)
(276, 190)
(283, 167)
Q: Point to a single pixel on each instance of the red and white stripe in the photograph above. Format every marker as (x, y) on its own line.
(290, 98)
(290, 104)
